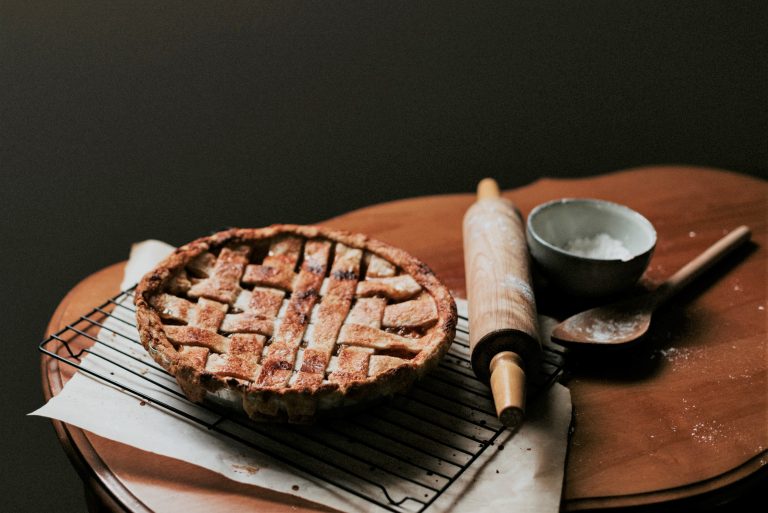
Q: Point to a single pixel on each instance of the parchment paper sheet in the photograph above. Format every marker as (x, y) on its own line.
(527, 475)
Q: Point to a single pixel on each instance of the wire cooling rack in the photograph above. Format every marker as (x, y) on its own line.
(400, 456)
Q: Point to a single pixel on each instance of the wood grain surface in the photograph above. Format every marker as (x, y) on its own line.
(682, 415)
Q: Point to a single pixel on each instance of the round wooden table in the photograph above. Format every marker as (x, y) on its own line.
(682, 419)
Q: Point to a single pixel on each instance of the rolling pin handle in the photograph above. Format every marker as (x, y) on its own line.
(508, 387)
(488, 188)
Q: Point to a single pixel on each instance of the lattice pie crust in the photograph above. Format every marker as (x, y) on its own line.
(292, 319)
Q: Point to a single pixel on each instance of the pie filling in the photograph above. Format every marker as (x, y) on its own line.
(293, 323)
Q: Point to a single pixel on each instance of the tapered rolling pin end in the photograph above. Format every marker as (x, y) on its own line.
(488, 188)
(508, 388)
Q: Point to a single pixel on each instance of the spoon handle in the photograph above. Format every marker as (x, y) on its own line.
(701, 263)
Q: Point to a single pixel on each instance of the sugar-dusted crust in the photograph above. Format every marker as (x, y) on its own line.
(299, 402)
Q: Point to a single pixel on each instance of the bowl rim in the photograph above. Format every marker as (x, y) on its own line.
(596, 201)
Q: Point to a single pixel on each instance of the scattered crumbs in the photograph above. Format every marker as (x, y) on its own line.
(760, 307)
(245, 469)
(707, 432)
(142, 403)
(501, 447)
(669, 353)
(737, 287)
(678, 356)
(528, 449)
(295, 488)
(691, 234)
(687, 407)
(497, 471)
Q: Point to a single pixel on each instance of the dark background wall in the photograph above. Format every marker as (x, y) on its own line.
(121, 121)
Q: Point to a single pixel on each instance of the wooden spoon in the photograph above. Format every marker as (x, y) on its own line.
(627, 320)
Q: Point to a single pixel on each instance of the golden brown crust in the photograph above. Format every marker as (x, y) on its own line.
(270, 387)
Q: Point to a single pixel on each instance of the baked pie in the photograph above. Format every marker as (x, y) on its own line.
(292, 320)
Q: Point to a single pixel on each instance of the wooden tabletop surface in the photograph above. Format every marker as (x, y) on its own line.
(684, 415)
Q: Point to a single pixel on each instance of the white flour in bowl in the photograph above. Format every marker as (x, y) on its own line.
(602, 246)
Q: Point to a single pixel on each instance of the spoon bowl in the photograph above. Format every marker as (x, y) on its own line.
(628, 320)
(618, 323)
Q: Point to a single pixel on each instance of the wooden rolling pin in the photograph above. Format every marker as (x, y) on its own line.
(503, 327)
